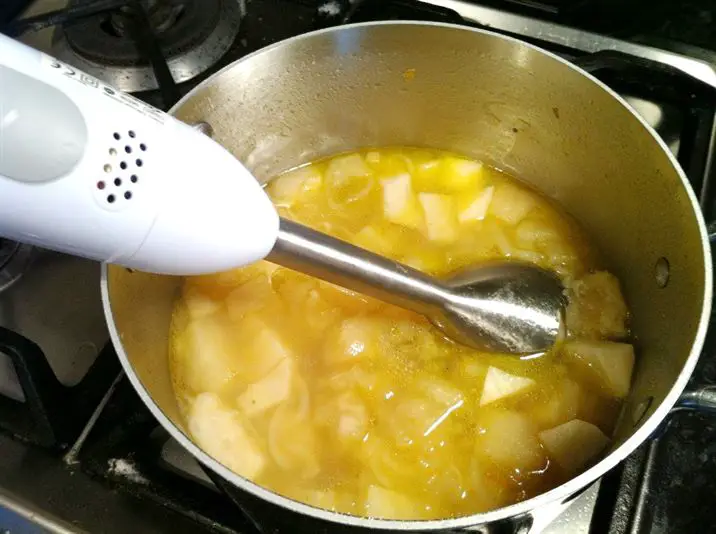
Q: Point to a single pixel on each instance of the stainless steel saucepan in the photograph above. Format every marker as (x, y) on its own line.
(483, 95)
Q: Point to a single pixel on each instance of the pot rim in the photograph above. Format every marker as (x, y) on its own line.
(560, 493)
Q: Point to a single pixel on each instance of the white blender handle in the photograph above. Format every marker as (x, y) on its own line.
(93, 172)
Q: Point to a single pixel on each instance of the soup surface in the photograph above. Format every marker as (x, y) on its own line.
(352, 405)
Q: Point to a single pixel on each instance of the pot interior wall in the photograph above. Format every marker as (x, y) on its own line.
(473, 93)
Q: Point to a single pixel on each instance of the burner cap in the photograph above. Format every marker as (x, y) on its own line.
(193, 35)
(14, 260)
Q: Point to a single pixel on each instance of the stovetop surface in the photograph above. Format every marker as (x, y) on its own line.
(118, 480)
(688, 21)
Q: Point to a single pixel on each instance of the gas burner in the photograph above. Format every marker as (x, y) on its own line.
(14, 260)
(192, 35)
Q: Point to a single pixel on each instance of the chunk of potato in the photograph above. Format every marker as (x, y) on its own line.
(440, 391)
(561, 406)
(383, 237)
(373, 157)
(459, 174)
(511, 203)
(607, 363)
(348, 301)
(261, 348)
(477, 208)
(371, 238)
(509, 440)
(499, 384)
(343, 168)
(250, 297)
(354, 339)
(292, 441)
(417, 422)
(596, 307)
(440, 217)
(221, 284)
(400, 205)
(206, 354)
(472, 368)
(225, 436)
(353, 417)
(573, 444)
(433, 262)
(533, 233)
(426, 175)
(199, 304)
(271, 390)
(383, 503)
(294, 186)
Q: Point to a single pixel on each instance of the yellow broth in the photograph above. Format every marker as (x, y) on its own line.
(348, 404)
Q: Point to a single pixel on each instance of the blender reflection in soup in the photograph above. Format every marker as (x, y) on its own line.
(349, 404)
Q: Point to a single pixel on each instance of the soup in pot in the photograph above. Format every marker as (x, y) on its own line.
(349, 404)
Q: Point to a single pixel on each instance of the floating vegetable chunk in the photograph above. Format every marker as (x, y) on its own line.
(608, 363)
(345, 403)
(499, 384)
(225, 435)
(573, 444)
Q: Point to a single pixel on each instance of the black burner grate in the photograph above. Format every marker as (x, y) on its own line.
(7, 249)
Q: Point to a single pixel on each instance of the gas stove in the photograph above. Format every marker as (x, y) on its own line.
(79, 452)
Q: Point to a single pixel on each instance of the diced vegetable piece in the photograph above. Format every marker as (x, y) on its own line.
(399, 203)
(532, 232)
(497, 233)
(499, 384)
(225, 436)
(609, 364)
(509, 439)
(373, 157)
(596, 307)
(343, 168)
(511, 203)
(347, 300)
(355, 377)
(573, 444)
(387, 504)
(261, 349)
(292, 442)
(472, 368)
(440, 217)
(353, 417)
(206, 354)
(268, 342)
(563, 405)
(271, 390)
(476, 210)
(371, 239)
(430, 262)
(289, 188)
(356, 337)
(221, 284)
(427, 175)
(250, 297)
(459, 174)
(199, 304)
(440, 391)
(563, 257)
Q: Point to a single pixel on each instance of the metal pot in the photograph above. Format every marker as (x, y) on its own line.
(483, 95)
